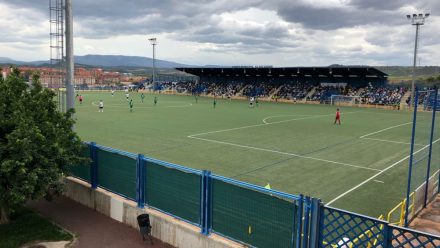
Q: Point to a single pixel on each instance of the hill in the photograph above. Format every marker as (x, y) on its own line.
(105, 61)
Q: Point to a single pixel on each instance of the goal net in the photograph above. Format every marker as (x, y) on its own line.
(341, 100)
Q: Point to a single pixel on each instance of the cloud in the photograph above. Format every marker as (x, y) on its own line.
(283, 31)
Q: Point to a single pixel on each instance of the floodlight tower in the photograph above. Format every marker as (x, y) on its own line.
(416, 20)
(153, 42)
(70, 64)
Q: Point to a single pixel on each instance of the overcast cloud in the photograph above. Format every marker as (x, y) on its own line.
(239, 32)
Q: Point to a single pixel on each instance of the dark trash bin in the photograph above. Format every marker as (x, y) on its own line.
(144, 226)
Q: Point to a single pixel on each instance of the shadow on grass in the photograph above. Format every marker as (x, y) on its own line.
(27, 226)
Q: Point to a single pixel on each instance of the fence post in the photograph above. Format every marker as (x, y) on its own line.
(206, 206)
(314, 223)
(94, 165)
(299, 221)
(140, 180)
(305, 235)
(387, 239)
(411, 156)
(425, 201)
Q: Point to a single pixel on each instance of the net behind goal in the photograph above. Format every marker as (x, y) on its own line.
(341, 100)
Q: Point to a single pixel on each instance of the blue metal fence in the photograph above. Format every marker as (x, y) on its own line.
(247, 213)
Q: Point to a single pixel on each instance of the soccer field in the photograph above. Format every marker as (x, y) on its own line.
(360, 166)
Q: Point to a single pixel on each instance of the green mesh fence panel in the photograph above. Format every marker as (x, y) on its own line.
(255, 218)
(173, 191)
(117, 173)
(82, 171)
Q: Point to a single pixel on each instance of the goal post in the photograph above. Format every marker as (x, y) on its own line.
(342, 100)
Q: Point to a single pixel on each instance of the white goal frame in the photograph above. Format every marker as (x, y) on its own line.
(351, 102)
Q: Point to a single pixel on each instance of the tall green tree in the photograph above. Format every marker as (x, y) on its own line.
(37, 144)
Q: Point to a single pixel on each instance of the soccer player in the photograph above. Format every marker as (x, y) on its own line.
(155, 100)
(214, 103)
(101, 106)
(113, 92)
(197, 98)
(257, 103)
(130, 104)
(338, 117)
(251, 102)
(127, 95)
(142, 97)
(80, 99)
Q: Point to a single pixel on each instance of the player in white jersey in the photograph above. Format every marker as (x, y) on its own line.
(101, 106)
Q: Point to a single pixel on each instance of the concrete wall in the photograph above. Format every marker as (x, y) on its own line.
(166, 228)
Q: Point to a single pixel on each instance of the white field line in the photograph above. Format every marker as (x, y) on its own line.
(120, 106)
(392, 141)
(273, 116)
(374, 176)
(264, 124)
(388, 128)
(283, 153)
(377, 181)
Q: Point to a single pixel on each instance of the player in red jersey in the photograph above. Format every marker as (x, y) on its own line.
(338, 117)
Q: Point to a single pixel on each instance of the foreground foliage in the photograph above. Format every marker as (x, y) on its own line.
(26, 226)
(37, 144)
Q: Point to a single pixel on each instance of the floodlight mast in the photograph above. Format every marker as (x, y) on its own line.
(70, 64)
(153, 42)
(416, 20)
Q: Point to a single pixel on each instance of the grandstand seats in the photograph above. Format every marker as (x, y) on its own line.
(383, 95)
(291, 91)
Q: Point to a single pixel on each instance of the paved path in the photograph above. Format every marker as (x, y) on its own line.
(92, 229)
(429, 219)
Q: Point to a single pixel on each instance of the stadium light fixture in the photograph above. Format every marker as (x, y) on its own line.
(416, 20)
(153, 42)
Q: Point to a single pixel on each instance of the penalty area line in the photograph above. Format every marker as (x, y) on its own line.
(382, 130)
(265, 124)
(376, 175)
(392, 141)
(283, 153)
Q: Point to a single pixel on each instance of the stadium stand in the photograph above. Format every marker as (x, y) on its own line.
(383, 95)
(316, 84)
(294, 91)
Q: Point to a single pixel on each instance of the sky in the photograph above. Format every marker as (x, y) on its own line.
(232, 32)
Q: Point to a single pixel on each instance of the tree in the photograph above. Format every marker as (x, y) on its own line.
(37, 144)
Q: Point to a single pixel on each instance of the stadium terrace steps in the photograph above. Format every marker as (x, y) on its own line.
(311, 92)
(360, 91)
(240, 93)
(274, 92)
(403, 104)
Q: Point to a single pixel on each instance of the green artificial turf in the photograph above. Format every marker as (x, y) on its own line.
(294, 148)
(26, 226)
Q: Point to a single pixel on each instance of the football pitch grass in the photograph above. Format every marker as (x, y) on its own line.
(360, 166)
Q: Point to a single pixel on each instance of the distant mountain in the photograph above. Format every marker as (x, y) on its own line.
(4, 60)
(106, 61)
(126, 61)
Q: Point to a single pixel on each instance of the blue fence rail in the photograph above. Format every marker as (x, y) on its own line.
(246, 213)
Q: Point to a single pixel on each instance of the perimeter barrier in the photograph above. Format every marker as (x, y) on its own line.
(246, 213)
